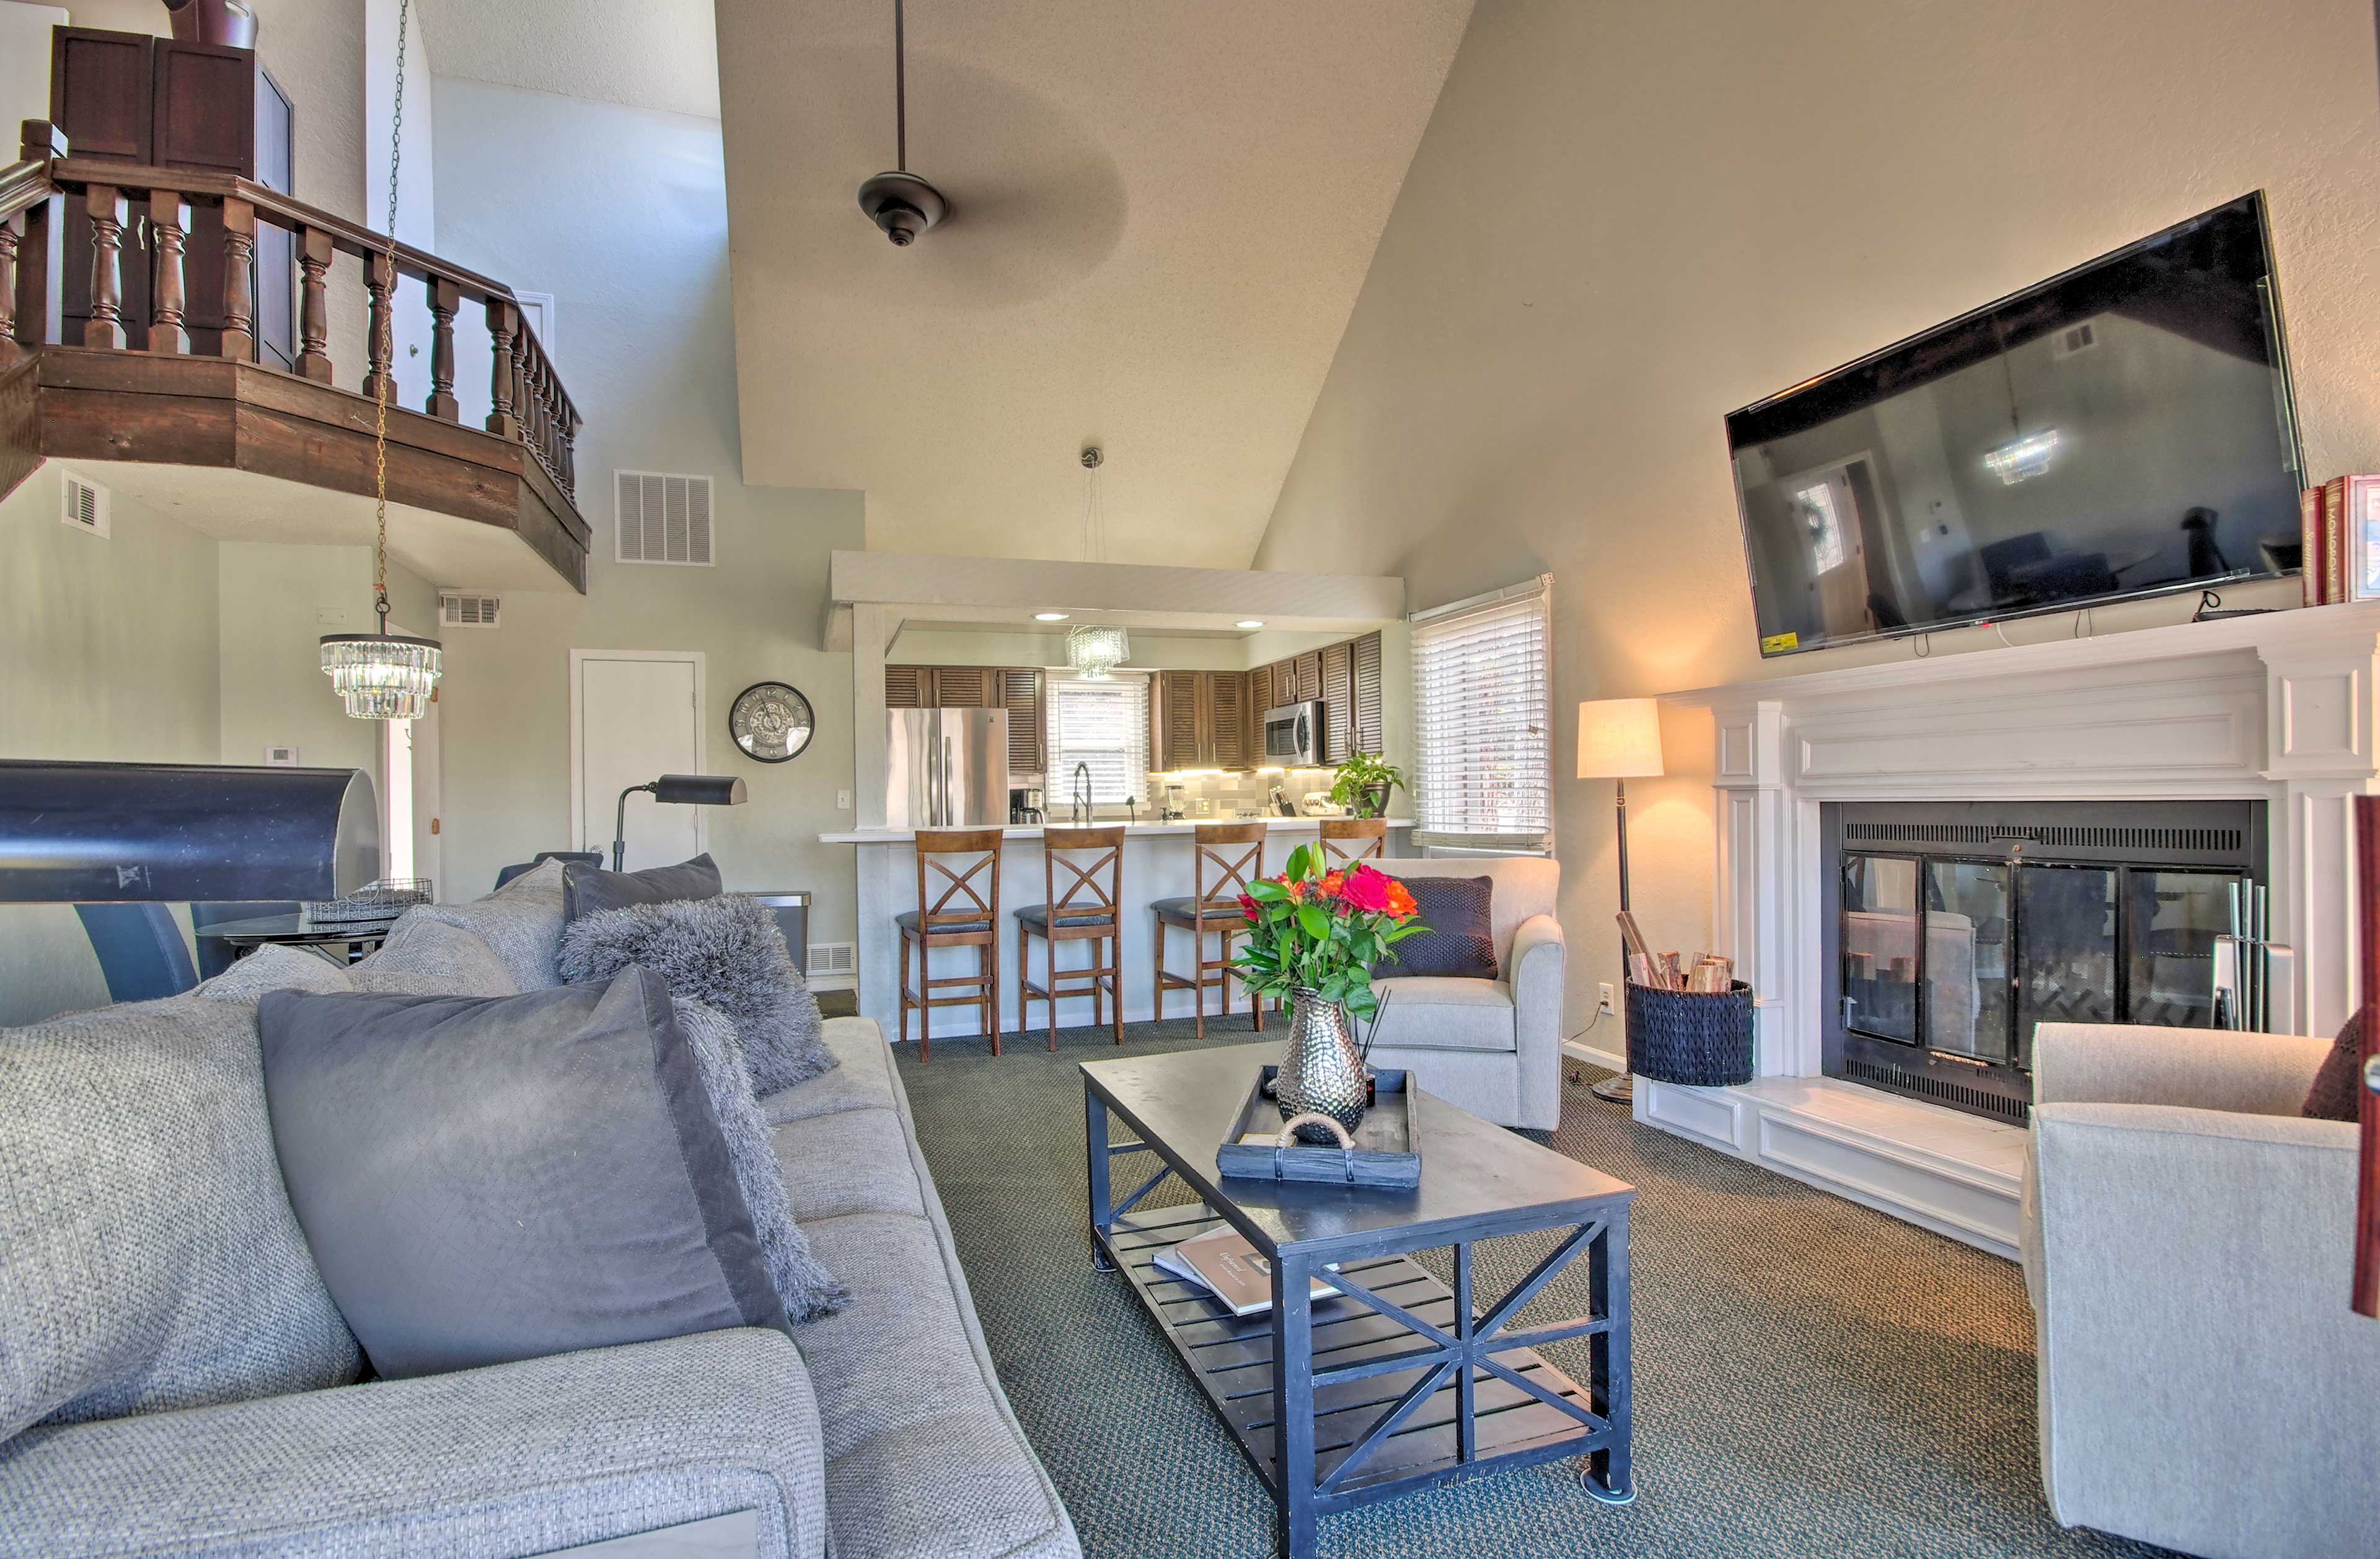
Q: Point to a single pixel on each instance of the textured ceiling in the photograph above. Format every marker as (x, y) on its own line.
(648, 54)
(1163, 215)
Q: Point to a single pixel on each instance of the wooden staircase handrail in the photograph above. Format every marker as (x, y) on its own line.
(24, 186)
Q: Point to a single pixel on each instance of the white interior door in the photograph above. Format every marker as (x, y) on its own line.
(637, 715)
(427, 829)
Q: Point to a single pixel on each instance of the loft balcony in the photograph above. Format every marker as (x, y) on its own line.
(138, 307)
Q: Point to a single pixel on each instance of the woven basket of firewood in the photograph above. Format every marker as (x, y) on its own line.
(1702, 1039)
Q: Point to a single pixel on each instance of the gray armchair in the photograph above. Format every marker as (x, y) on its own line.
(2187, 1242)
(1491, 1046)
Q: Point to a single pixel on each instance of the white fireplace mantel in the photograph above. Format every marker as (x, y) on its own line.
(2279, 708)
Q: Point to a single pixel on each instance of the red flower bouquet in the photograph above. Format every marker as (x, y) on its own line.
(1322, 931)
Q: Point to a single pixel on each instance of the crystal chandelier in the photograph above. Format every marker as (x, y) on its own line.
(384, 675)
(1095, 652)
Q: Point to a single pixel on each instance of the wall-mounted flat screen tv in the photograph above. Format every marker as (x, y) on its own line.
(2122, 430)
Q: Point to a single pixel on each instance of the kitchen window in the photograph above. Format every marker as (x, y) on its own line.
(1482, 694)
(1102, 725)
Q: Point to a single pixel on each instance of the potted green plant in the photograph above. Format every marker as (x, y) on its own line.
(1363, 783)
(1312, 937)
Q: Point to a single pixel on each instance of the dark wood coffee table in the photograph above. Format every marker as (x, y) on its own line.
(1399, 1383)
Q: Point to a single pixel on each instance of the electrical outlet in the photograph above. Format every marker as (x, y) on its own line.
(843, 800)
(1603, 997)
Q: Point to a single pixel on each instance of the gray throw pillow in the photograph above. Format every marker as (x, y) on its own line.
(273, 968)
(432, 958)
(1460, 941)
(484, 1180)
(589, 890)
(148, 1259)
(807, 1289)
(520, 921)
(726, 952)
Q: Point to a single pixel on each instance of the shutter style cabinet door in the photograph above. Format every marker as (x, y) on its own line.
(1260, 692)
(1227, 704)
(1309, 668)
(908, 687)
(1177, 722)
(1368, 720)
(965, 686)
(1020, 694)
(1338, 700)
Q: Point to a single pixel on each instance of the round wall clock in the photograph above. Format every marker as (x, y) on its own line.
(770, 721)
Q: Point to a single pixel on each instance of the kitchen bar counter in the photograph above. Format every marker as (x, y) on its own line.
(1134, 831)
(1157, 863)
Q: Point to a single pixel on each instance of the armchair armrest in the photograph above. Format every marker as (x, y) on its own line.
(2188, 1271)
(508, 1461)
(2195, 1068)
(1539, 954)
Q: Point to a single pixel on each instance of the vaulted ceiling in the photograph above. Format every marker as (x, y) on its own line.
(1163, 214)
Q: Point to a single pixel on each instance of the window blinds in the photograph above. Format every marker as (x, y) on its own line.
(1104, 725)
(1482, 698)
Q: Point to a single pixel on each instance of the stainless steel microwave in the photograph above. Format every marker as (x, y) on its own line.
(1293, 736)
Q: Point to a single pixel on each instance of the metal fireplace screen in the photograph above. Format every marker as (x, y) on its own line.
(1962, 925)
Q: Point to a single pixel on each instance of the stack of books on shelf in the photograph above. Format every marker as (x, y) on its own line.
(1222, 1263)
(2339, 526)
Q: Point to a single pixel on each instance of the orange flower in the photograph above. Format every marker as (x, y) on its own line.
(1332, 882)
(1400, 900)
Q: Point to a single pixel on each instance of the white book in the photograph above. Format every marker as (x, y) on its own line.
(1222, 1263)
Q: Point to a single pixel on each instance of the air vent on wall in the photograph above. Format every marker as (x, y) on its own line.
(2072, 339)
(468, 609)
(86, 506)
(663, 518)
(828, 958)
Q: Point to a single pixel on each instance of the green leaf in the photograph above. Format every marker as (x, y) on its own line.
(1313, 921)
(1264, 890)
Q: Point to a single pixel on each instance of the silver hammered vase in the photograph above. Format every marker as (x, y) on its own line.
(1321, 1072)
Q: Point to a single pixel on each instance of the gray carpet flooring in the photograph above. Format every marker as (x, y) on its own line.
(1812, 1378)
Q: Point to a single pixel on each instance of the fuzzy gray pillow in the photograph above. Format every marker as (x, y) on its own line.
(807, 1289)
(727, 953)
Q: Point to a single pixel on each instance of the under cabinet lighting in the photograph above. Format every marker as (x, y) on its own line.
(1249, 622)
(1051, 617)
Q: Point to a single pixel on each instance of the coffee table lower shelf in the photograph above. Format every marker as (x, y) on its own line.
(1232, 1359)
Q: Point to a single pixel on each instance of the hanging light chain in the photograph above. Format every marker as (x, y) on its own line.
(382, 381)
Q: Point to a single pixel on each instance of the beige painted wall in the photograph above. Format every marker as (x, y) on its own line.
(107, 654)
(1624, 221)
(273, 690)
(647, 348)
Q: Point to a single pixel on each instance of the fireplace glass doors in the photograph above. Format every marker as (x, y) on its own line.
(1963, 925)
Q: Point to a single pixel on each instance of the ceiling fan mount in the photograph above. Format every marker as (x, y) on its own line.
(900, 202)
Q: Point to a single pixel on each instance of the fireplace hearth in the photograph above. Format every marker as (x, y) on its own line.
(1957, 926)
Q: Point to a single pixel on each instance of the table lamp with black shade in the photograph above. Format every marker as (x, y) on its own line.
(680, 790)
(1619, 740)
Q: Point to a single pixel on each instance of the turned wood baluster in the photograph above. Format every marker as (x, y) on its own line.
(239, 266)
(380, 347)
(503, 321)
(313, 304)
(9, 351)
(169, 218)
(444, 298)
(523, 407)
(106, 327)
(37, 290)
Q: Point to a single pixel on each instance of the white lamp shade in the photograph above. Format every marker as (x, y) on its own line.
(1618, 738)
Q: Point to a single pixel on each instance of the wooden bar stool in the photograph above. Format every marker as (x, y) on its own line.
(1345, 840)
(1228, 857)
(1087, 911)
(966, 913)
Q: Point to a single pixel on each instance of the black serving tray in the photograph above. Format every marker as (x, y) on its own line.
(1387, 1153)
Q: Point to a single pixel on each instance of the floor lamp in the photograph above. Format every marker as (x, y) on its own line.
(682, 790)
(1619, 740)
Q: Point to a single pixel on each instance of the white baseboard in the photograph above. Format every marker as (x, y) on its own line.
(1610, 1061)
(833, 982)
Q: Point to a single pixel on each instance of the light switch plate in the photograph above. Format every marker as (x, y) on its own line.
(843, 800)
(330, 616)
(281, 757)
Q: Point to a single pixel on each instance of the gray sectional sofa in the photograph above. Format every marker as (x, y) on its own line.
(876, 1434)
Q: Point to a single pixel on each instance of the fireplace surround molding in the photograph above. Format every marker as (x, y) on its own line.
(2277, 708)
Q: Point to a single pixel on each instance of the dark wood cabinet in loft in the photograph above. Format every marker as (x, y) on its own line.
(165, 102)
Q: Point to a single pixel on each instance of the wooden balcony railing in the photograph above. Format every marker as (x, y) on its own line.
(529, 405)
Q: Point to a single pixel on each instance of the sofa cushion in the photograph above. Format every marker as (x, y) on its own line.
(148, 1259)
(273, 968)
(426, 956)
(1459, 941)
(520, 921)
(852, 1160)
(725, 952)
(862, 1078)
(483, 1464)
(589, 890)
(489, 1180)
(807, 1289)
(1433, 1012)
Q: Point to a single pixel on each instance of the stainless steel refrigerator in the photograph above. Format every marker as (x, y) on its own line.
(946, 768)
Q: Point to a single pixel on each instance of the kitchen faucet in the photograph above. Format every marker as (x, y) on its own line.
(1082, 794)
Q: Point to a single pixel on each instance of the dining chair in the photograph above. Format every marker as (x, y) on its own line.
(1227, 857)
(960, 908)
(1089, 910)
(141, 954)
(1346, 840)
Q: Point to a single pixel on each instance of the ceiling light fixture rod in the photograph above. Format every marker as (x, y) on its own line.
(899, 91)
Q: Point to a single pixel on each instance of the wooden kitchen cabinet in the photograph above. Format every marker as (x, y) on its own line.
(1338, 668)
(1369, 733)
(1199, 720)
(1227, 707)
(1020, 694)
(1017, 690)
(1345, 678)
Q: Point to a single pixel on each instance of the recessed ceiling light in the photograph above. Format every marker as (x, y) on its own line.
(1249, 622)
(1050, 616)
